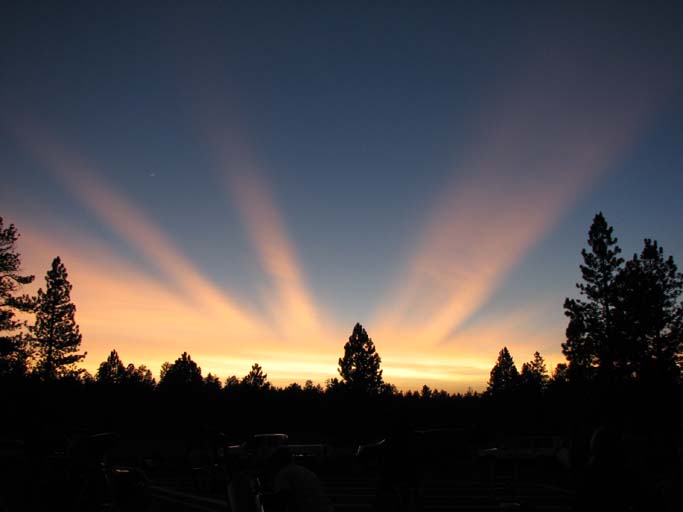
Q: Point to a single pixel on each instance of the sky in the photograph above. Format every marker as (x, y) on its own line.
(245, 181)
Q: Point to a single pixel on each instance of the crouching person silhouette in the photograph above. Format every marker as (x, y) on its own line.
(294, 487)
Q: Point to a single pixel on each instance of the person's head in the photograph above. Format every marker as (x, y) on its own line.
(605, 443)
(281, 457)
(400, 432)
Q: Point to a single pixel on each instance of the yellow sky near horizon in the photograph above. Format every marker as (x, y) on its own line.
(511, 191)
(119, 307)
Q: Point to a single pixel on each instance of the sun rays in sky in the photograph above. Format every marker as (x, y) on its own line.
(481, 226)
(559, 120)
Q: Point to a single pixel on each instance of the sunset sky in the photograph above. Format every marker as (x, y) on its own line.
(245, 181)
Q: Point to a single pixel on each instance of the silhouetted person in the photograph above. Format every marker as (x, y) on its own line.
(608, 484)
(295, 488)
(654, 460)
(240, 489)
(401, 472)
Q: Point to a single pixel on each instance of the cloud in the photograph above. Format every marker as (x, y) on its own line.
(288, 298)
(150, 321)
(290, 301)
(117, 305)
(82, 179)
(549, 133)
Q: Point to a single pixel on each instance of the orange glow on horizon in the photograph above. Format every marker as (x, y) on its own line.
(118, 307)
(533, 155)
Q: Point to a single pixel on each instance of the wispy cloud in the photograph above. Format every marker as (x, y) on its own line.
(545, 139)
(290, 301)
(287, 297)
(114, 300)
(122, 307)
(82, 179)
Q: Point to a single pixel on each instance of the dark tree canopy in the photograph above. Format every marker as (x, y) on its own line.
(114, 372)
(256, 379)
(504, 376)
(592, 340)
(111, 371)
(560, 373)
(359, 368)
(139, 376)
(628, 325)
(534, 375)
(650, 287)
(55, 335)
(231, 382)
(212, 382)
(311, 388)
(14, 352)
(182, 375)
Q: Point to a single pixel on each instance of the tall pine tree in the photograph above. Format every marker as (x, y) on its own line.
(55, 335)
(649, 312)
(13, 349)
(504, 375)
(182, 376)
(359, 368)
(111, 371)
(256, 379)
(534, 375)
(592, 338)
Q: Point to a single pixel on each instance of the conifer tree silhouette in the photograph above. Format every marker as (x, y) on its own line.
(359, 368)
(649, 314)
(55, 334)
(592, 340)
(255, 379)
(182, 375)
(111, 371)
(14, 351)
(534, 375)
(504, 375)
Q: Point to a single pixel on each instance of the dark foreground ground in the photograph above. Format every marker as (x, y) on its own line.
(358, 494)
(170, 475)
(490, 484)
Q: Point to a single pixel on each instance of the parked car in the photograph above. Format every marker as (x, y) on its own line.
(255, 451)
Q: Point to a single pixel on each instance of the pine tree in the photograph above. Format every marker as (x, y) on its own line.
(231, 382)
(649, 309)
(111, 371)
(559, 374)
(14, 352)
(504, 375)
(359, 368)
(311, 388)
(140, 376)
(182, 375)
(165, 366)
(55, 334)
(592, 340)
(534, 375)
(256, 379)
(212, 383)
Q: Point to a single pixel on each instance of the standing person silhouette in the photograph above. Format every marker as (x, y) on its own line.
(295, 488)
(607, 484)
(401, 472)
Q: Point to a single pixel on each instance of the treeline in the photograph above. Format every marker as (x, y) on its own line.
(625, 327)
(625, 330)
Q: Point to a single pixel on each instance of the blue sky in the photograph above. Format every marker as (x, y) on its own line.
(275, 172)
